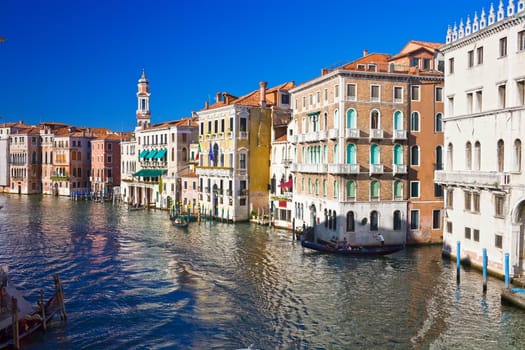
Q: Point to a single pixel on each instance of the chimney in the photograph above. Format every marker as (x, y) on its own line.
(262, 92)
(365, 52)
(218, 97)
(206, 105)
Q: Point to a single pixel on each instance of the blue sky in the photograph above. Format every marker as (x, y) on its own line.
(78, 62)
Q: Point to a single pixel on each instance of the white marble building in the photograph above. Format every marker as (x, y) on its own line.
(484, 124)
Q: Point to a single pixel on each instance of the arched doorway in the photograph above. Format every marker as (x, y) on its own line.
(518, 224)
(312, 215)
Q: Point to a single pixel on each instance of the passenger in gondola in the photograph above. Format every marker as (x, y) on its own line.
(380, 238)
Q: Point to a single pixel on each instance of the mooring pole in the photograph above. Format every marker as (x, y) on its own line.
(507, 274)
(458, 261)
(485, 270)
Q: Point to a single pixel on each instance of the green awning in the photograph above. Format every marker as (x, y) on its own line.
(143, 153)
(160, 154)
(313, 113)
(151, 154)
(150, 172)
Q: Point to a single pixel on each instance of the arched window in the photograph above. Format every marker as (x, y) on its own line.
(438, 123)
(351, 119)
(398, 154)
(501, 155)
(326, 121)
(375, 122)
(414, 155)
(414, 121)
(398, 120)
(517, 155)
(477, 156)
(450, 157)
(336, 154)
(325, 154)
(325, 187)
(317, 187)
(336, 119)
(374, 220)
(336, 190)
(350, 154)
(398, 190)
(374, 154)
(468, 155)
(374, 190)
(350, 221)
(397, 220)
(350, 190)
(439, 158)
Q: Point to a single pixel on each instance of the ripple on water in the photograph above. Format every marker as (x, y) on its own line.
(134, 281)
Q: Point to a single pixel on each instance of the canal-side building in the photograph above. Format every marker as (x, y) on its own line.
(353, 144)
(71, 163)
(105, 164)
(156, 157)
(234, 161)
(25, 161)
(484, 128)
(6, 129)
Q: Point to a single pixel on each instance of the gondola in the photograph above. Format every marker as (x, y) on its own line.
(18, 319)
(345, 249)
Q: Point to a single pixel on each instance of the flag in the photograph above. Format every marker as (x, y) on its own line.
(199, 150)
(212, 159)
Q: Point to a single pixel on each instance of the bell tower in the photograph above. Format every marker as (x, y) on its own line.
(143, 112)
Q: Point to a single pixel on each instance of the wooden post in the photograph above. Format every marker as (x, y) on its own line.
(42, 306)
(60, 296)
(16, 330)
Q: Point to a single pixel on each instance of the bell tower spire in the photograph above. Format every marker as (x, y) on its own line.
(143, 112)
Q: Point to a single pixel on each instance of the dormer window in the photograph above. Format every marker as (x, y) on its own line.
(372, 67)
(285, 98)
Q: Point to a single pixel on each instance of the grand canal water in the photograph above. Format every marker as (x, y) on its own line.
(133, 281)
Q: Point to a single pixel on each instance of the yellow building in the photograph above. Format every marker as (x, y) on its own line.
(234, 155)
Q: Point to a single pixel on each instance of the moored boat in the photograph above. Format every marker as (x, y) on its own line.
(18, 319)
(349, 250)
(180, 221)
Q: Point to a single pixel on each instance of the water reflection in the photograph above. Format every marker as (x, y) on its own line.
(134, 281)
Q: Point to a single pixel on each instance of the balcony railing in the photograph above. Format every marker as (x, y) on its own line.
(310, 168)
(343, 168)
(333, 133)
(322, 135)
(351, 133)
(376, 133)
(293, 138)
(400, 134)
(376, 168)
(490, 179)
(311, 137)
(214, 171)
(399, 168)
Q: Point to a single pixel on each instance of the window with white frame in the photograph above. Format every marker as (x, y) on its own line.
(414, 219)
(414, 121)
(521, 40)
(351, 92)
(503, 47)
(375, 93)
(415, 92)
(439, 94)
(438, 122)
(502, 98)
(398, 94)
(414, 189)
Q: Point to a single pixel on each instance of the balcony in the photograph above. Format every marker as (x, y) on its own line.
(243, 134)
(311, 137)
(343, 168)
(351, 133)
(399, 168)
(310, 168)
(333, 133)
(400, 134)
(376, 133)
(293, 139)
(376, 169)
(322, 135)
(214, 171)
(488, 179)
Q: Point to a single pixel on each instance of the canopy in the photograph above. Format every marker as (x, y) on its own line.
(160, 154)
(288, 183)
(151, 154)
(143, 153)
(150, 172)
